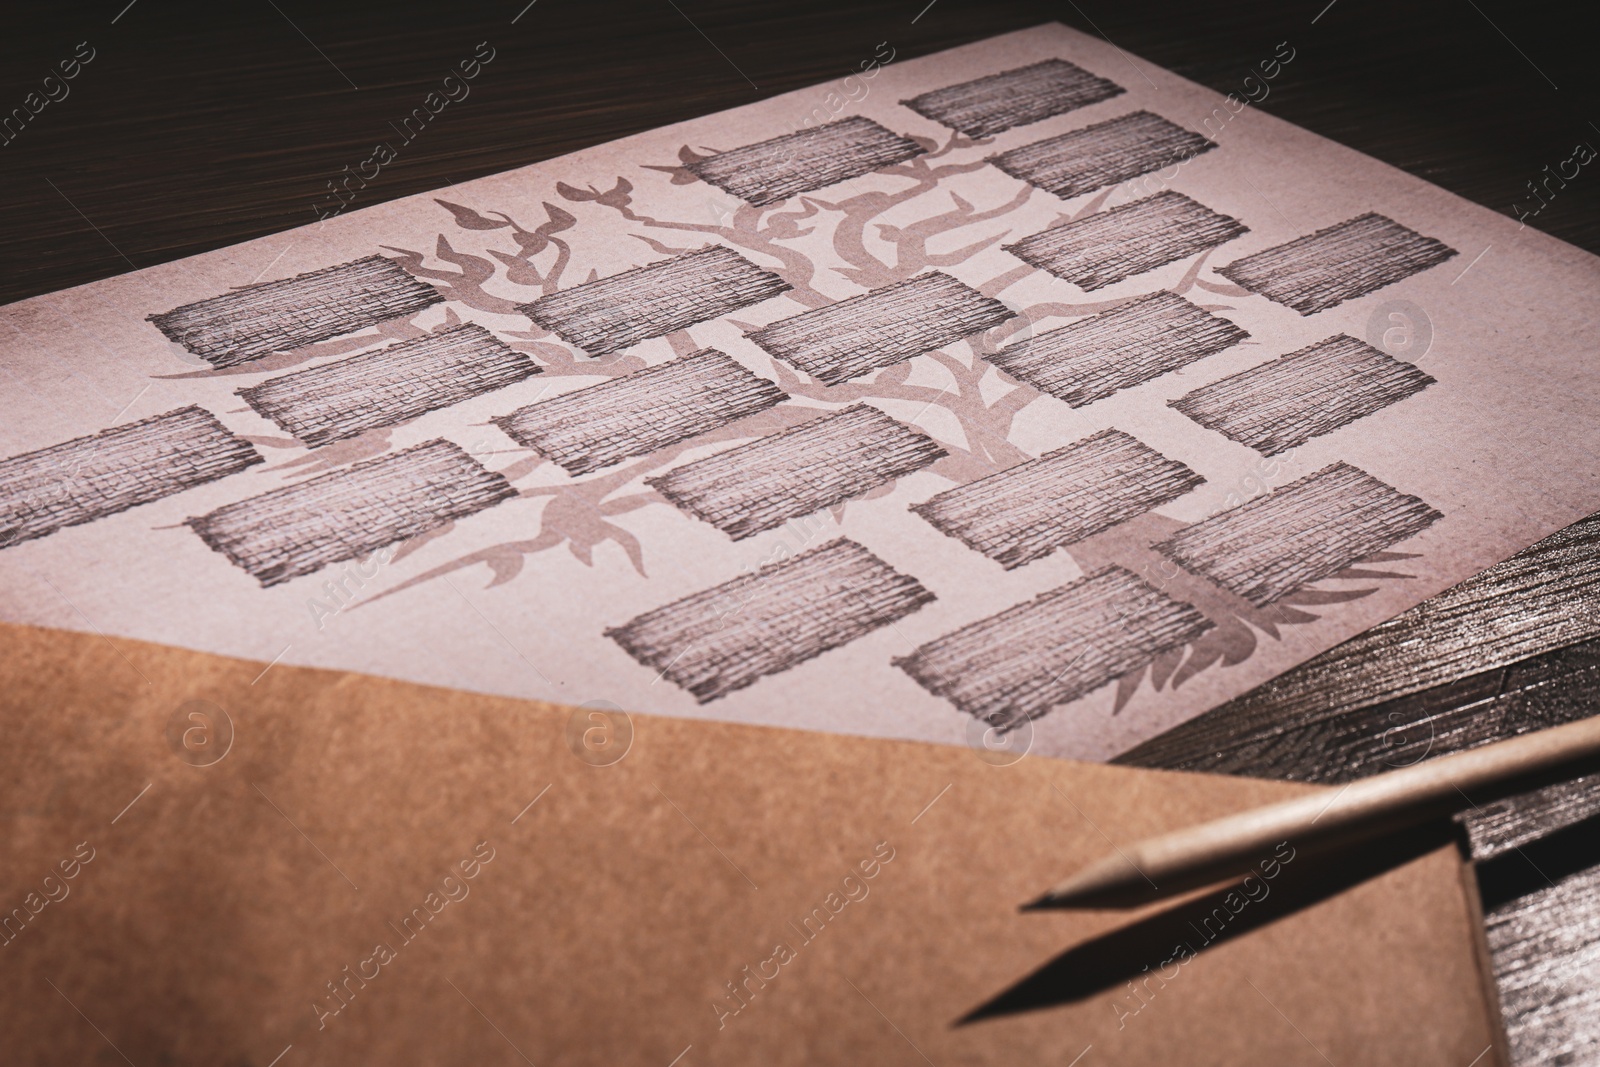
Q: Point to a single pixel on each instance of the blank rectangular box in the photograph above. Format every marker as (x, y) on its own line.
(1056, 648)
(612, 313)
(280, 316)
(1028, 511)
(787, 475)
(1103, 154)
(1338, 263)
(993, 104)
(349, 513)
(389, 386)
(1128, 345)
(808, 159)
(1103, 249)
(89, 478)
(1285, 403)
(641, 412)
(879, 329)
(1308, 530)
(725, 638)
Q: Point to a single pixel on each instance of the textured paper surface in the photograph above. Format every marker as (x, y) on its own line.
(514, 596)
(242, 859)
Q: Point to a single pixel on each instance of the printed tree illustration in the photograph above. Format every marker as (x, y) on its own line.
(583, 513)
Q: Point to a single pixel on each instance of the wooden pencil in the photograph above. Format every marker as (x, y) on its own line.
(1210, 852)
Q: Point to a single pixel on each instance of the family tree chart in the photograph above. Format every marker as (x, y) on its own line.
(1016, 398)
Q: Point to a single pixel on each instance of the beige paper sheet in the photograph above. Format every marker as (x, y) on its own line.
(514, 600)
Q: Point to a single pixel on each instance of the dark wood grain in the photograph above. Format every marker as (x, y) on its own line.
(1511, 649)
(1501, 826)
(1453, 673)
(198, 126)
(1544, 937)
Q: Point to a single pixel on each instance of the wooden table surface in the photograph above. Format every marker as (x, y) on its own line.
(192, 127)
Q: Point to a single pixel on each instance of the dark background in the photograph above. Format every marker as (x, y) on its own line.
(197, 126)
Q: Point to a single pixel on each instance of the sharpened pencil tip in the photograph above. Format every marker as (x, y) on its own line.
(1043, 903)
(1113, 881)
